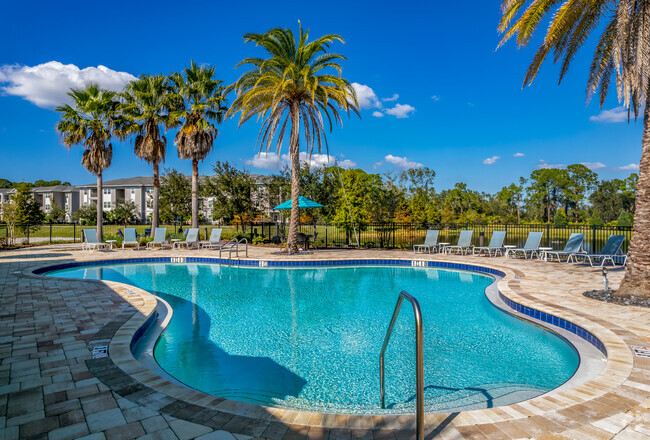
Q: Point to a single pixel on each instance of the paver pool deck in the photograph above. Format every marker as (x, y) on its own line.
(51, 388)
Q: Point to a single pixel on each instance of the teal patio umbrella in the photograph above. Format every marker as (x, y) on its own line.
(303, 202)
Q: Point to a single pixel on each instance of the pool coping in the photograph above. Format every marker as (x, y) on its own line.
(179, 398)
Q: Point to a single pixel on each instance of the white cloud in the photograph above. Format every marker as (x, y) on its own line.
(435, 98)
(270, 161)
(400, 111)
(377, 114)
(366, 97)
(594, 165)
(471, 104)
(518, 155)
(545, 165)
(392, 98)
(630, 167)
(401, 162)
(267, 161)
(491, 160)
(617, 114)
(47, 85)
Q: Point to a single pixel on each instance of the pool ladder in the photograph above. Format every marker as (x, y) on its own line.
(419, 361)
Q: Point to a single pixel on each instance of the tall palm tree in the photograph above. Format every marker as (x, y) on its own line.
(90, 122)
(298, 80)
(202, 100)
(145, 110)
(622, 52)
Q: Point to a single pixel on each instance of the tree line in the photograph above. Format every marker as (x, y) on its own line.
(560, 196)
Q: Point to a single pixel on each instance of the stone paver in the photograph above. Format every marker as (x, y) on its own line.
(50, 388)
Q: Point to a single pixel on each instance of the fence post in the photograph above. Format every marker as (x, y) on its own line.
(50, 231)
(326, 228)
(593, 239)
(74, 232)
(394, 233)
(548, 235)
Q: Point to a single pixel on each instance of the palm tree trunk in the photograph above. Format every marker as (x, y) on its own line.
(294, 149)
(637, 273)
(195, 193)
(518, 212)
(156, 192)
(100, 208)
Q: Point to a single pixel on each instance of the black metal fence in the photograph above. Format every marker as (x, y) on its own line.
(373, 235)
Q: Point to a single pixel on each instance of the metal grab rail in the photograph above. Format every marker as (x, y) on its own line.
(419, 361)
(233, 244)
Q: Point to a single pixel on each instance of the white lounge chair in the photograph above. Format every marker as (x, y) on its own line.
(430, 242)
(213, 241)
(495, 245)
(464, 243)
(573, 247)
(92, 243)
(610, 252)
(130, 238)
(531, 246)
(158, 239)
(191, 239)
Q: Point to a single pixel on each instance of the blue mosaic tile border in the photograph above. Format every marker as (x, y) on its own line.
(143, 328)
(274, 263)
(557, 322)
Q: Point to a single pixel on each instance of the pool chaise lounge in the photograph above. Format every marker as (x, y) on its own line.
(159, 238)
(531, 246)
(573, 246)
(92, 243)
(495, 245)
(129, 238)
(430, 242)
(611, 251)
(191, 239)
(214, 241)
(464, 243)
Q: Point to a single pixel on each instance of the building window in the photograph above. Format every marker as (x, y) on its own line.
(107, 205)
(85, 192)
(107, 191)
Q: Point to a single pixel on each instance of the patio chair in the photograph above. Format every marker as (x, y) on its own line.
(158, 239)
(609, 252)
(464, 243)
(430, 242)
(573, 246)
(213, 241)
(129, 238)
(303, 240)
(191, 239)
(91, 242)
(531, 246)
(496, 244)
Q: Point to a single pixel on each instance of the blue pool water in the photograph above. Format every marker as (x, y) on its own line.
(310, 338)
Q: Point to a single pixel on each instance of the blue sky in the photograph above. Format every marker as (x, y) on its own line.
(447, 99)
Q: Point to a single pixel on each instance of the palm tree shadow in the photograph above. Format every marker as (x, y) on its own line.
(202, 364)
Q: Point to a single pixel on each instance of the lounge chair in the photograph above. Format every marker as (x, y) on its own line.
(430, 242)
(609, 252)
(464, 243)
(129, 238)
(191, 239)
(496, 244)
(91, 242)
(573, 246)
(158, 238)
(531, 246)
(213, 241)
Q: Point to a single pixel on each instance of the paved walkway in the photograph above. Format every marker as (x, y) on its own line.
(51, 388)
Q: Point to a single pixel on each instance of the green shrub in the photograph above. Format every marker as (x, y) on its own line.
(624, 220)
(117, 238)
(258, 240)
(143, 240)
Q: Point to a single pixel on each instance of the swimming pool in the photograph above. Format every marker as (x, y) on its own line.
(309, 338)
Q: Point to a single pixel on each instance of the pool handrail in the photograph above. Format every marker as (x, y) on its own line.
(419, 360)
(233, 244)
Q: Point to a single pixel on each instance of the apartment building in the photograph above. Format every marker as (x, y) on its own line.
(63, 196)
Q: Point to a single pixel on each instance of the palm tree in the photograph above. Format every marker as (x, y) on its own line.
(89, 122)
(623, 52)
(202, 100)
(145, 109)
(295, 82)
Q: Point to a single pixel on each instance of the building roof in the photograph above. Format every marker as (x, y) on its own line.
(55, 188)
